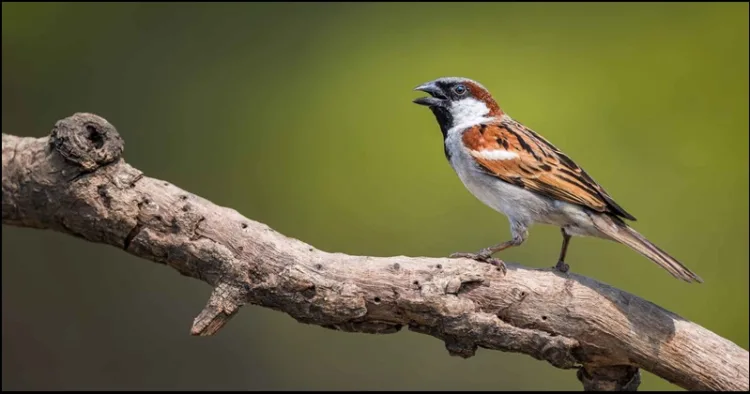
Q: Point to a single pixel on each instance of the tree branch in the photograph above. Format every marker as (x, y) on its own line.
(76, 182)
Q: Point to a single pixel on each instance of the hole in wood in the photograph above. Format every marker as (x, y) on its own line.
(95, 136)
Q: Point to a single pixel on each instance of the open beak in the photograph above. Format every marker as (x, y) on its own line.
(437, 99)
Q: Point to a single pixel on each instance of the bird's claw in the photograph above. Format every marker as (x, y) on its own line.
(562, 267)
(484, 257)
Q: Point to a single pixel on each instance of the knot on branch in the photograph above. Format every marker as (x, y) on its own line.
(458, 347)
(615, 378)
(87, 140)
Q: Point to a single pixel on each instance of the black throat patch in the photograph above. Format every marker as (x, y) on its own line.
(445, 121)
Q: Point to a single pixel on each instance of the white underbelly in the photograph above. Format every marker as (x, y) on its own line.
(516, 203)
(526, 207)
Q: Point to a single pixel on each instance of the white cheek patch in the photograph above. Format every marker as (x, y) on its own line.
(468, 111)
(495, 154)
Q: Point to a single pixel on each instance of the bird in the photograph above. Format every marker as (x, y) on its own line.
(515, 171)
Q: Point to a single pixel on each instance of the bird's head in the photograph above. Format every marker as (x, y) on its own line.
(458, 101)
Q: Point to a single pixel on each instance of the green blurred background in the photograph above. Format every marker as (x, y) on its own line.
(300, 116)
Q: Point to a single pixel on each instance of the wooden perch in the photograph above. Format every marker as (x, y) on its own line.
(76, 182)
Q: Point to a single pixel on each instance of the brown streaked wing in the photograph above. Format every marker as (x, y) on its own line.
(539, 167)
(612, 206)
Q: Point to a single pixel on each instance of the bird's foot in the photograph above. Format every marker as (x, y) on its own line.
(562, 267)
(484, 256)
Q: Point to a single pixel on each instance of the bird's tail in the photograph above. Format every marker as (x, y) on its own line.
(619, 231)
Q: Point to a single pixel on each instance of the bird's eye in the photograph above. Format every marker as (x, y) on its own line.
(459, 89)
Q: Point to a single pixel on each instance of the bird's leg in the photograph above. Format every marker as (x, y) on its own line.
(561, 266)
(485, 255)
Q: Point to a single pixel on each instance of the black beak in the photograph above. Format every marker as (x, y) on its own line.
(438, 98)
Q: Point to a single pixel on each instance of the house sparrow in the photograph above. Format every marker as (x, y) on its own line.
(516, 172)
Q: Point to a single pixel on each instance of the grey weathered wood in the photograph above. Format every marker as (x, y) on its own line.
(76, 182)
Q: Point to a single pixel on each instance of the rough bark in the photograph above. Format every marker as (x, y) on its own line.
(76, 182)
